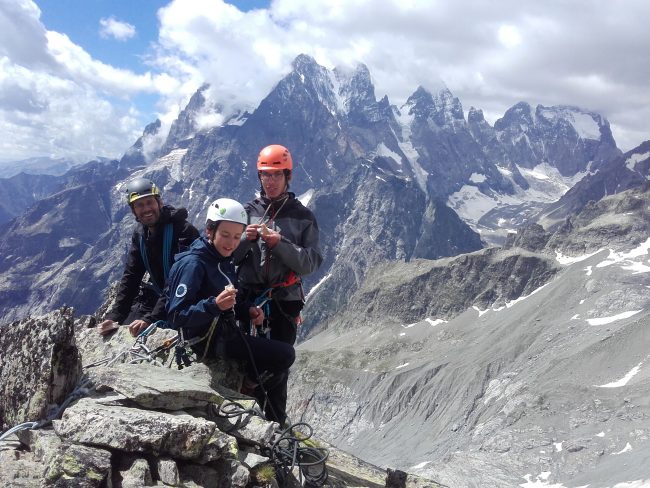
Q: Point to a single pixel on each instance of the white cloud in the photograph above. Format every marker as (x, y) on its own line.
(111, 27)
(490, 54)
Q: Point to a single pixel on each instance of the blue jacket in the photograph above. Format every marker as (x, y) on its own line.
(196, 278)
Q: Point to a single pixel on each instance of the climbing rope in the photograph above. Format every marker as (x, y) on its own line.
(289, 451)
(83, 387)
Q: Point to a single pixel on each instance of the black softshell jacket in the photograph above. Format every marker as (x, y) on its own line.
(184, 234)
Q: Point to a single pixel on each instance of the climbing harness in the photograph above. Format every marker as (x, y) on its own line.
(167, 257)
(264, 299)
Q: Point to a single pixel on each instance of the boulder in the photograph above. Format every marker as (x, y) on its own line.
(40, 366)
(135, 430)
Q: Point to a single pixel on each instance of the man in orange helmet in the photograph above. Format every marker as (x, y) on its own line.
(279, 246)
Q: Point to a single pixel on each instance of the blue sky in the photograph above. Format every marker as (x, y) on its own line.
(80, 79)
(80, 21)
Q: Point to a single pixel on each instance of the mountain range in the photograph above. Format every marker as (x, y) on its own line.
(434, 223)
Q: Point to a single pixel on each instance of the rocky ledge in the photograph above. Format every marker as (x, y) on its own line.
(91, 419)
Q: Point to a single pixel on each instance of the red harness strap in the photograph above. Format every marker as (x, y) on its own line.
(292, 279)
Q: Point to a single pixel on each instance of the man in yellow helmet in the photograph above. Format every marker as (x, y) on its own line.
(162, 231)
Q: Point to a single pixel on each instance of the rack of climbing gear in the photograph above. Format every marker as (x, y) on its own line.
(139, 352)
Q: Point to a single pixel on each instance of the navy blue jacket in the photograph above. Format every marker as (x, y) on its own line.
(196, 278)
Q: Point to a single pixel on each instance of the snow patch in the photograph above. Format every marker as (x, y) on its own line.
(404, 142)
(480, 312)
(627, 448)
(383, 150)
(305, 198)
(171, 161)
(470, 204)
(540, 482)
(613, 318)
(562, 259)
(317, 285)
(477, 178)
(421, 465)
(402, 365)
(583, 123)
(624, 380)
(547, 183)
(628, 259)
(558, 446)
(600, 434)
(433, 323)
(635, 158)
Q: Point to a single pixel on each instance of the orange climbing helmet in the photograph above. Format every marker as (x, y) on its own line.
(274, 156)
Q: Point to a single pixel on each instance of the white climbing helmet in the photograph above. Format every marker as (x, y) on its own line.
(227, 209)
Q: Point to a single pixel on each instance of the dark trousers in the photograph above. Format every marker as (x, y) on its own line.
(267, 362)
(282, 321)
(143, 304)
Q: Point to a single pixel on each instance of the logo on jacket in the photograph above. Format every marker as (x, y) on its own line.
(181, 290)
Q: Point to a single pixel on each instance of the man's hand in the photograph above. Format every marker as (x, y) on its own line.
(271, 237)
(226, 300)
(106, 327)
(257, 315)
(252, 232)
(137, 326)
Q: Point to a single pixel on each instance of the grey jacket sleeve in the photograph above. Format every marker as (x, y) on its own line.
(245, 245)
(301, 259)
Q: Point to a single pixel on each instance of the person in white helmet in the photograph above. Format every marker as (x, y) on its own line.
(204, 299)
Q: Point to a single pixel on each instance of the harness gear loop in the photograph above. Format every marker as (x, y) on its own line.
(182, 356)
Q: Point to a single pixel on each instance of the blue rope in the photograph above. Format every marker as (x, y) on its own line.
(166, 258)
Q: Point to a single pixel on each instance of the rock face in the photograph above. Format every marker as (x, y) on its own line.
(40, 366)
(630, 170)
(498, 367)
(353, 155)
(141, 424)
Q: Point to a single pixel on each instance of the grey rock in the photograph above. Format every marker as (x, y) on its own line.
(167, 471)
(219, 446)
(222, 375)
(153, 387)
(79, 466)
(133, 430)
(249, 428)
(225, 472)
(97, 349)
(40, 366)
(19, 467)
(43, 443)
(131, 472)
(252, 460)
